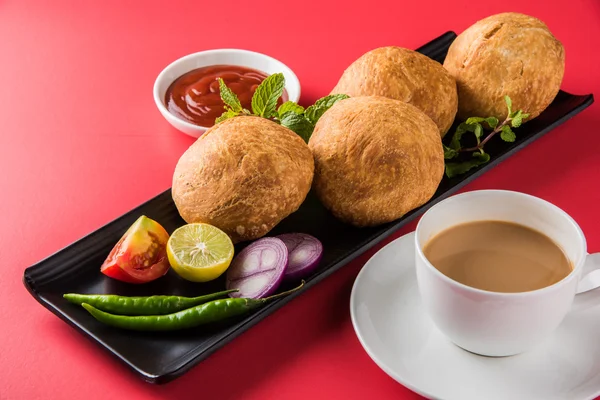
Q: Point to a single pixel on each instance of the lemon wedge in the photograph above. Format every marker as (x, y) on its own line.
(199, 252)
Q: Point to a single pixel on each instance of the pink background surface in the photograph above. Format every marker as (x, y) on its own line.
(81, 142)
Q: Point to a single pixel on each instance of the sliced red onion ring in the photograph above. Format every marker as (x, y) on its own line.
(305, 252)
(257, 271)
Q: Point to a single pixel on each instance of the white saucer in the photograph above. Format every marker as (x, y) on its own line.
(392, 326)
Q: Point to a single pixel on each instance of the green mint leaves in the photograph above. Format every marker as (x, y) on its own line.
(289, 106)
(303, 121)
(233, 107)
(449, 152)
(508, 102)
(492, 122)
(458, 168)
(476, 125)
(229, 98)
(507, 134)
(515, 118)
(264, 101)
(229, 113)
(314, 112)
(299, 124)
(264, 104)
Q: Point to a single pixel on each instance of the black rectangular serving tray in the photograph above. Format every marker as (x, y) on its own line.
(161, 357)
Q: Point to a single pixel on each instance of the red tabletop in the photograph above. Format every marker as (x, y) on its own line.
(81, 142)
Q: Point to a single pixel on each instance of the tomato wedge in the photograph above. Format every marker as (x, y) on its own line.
(140, 256)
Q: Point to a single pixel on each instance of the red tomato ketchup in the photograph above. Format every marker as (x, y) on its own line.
(195, 96)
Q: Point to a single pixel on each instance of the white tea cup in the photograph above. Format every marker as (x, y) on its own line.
(493, 323)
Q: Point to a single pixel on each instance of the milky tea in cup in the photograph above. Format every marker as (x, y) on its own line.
(497, 256)
(498, 271)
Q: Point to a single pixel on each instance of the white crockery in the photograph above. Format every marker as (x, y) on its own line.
(391, 324)
(492, 323)
(244, 58)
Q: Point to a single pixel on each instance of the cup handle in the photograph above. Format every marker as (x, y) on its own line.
(591, 274)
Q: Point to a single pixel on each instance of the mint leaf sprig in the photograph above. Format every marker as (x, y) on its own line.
(233, 107)
(475, 125)
(303, 121)
(264, 100)
(264, 104)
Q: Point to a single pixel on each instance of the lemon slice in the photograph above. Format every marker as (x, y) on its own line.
(199, 252)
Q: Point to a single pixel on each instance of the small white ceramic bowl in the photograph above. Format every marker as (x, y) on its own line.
(244, 58)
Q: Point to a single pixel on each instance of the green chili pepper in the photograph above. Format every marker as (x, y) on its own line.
(212, 311)
(146, 305)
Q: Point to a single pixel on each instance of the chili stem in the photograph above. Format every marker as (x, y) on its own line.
(282, 294)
